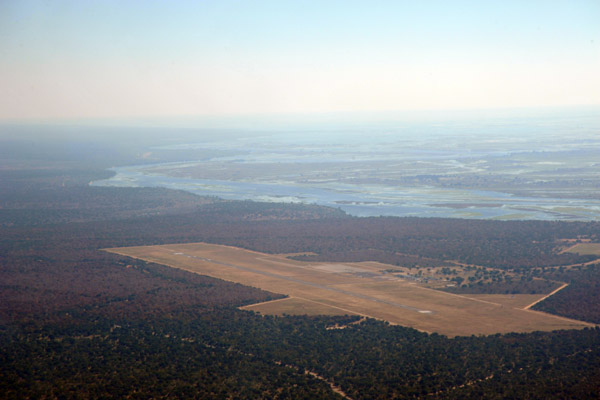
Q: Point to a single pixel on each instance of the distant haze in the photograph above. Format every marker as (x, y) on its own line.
(109, 59)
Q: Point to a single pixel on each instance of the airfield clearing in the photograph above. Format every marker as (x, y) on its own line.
(361, 288)
(585, 249)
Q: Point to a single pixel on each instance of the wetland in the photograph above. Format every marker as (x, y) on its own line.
(528, 168)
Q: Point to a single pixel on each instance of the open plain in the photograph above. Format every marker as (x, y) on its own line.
(585, 249)
(361, 288)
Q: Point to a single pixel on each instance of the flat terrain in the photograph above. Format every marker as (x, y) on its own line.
(296, 306)
(508, 300)
(354, 288)
(457, 175)
(585, 249)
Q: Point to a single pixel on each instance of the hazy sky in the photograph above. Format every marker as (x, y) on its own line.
(80, 59)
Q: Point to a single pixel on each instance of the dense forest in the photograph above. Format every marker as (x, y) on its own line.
(228, 353)
(579, 300)
(77, 322)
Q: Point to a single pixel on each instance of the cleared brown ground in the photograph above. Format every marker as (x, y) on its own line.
(352, 288)
(509, 300)
(585, 249)
(296, 306)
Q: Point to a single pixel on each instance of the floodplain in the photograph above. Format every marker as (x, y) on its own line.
(465, 168)
(357, 288)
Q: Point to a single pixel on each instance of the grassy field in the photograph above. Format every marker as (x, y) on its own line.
(296, 306)
(354, 288)
(508, 300)
(585, 249)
